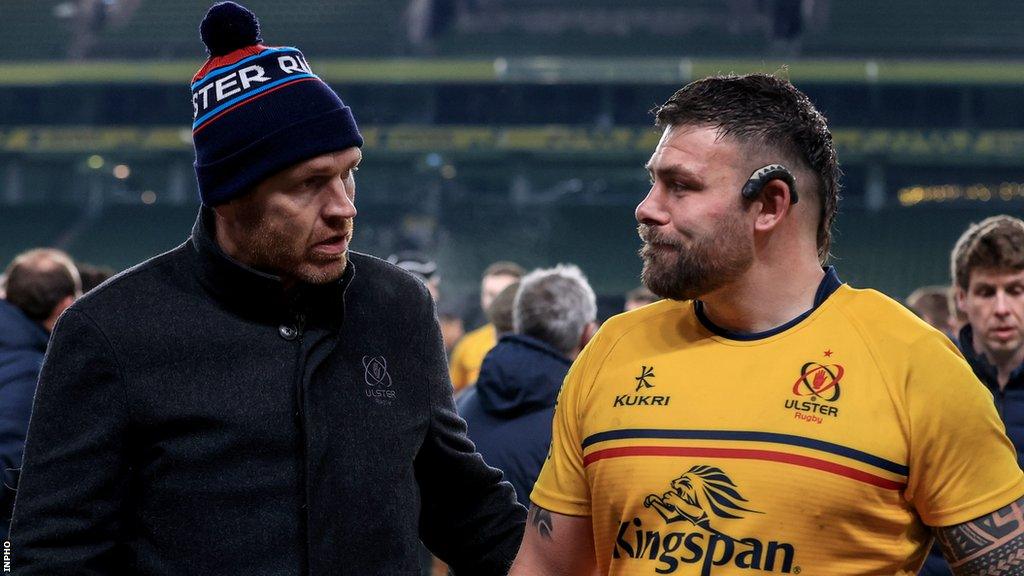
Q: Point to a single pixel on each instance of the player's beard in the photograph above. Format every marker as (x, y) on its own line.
(684, 272)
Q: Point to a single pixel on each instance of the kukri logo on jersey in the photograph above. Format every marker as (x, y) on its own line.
(643, 395)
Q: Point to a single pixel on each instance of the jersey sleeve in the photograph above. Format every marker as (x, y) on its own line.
(962, 465)
(562, 485)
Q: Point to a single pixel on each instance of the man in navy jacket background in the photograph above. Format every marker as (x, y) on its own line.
(39, 285)
(509, 410)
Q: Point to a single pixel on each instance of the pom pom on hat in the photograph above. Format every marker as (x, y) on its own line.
(228, 27)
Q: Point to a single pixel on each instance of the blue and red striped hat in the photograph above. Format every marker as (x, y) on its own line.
(257, 109)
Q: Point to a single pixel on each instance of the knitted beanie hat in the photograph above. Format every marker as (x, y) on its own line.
(258, 110)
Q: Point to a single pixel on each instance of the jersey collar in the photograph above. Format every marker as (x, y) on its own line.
(829, 284)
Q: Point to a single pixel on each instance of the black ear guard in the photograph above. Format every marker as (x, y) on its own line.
(762, 176)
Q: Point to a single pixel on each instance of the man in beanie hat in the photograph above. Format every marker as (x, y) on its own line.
(259, 400)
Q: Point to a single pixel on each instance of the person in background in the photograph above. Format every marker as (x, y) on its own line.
(422, 267)
(499, 313)
(449, 316)
(93, 276)
(41, 284)
(639, 296)
(469, 353)
(934, 305)
(509, 410)
(987, 268)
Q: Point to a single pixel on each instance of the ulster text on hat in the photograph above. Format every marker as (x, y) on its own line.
(231, 85)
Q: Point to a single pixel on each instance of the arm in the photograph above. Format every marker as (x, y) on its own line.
(469, 517)
(555, 545)
(992, 545)
(67, 515)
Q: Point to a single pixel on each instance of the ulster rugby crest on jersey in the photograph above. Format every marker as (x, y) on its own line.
(791, 453)
(816, 391)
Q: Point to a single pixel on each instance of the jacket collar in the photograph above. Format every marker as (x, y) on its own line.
(259, 295)
(983, 369)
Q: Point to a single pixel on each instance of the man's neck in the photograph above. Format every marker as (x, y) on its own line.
(765, 297)
(1004, 364)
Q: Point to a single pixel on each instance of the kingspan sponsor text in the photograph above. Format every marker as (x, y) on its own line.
(671, 549)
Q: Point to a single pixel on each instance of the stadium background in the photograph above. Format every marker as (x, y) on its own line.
(517, 129)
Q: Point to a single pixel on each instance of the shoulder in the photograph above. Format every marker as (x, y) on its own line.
(886, 323)
(384, 294)
(652, 318)
(663, 325)
(130, 288)
(383, 277)
(485, 333)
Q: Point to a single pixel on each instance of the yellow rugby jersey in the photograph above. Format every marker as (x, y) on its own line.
(825, 447)
(468, 355)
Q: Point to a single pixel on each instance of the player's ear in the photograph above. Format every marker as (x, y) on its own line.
(773, 204)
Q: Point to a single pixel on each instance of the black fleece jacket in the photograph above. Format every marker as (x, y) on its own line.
(193, 417)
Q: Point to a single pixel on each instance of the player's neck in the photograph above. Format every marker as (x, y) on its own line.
(766, 297)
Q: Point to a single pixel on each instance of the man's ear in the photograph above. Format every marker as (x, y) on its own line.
(59, 309)
(588, 332)
(961, 299)
(775, 202)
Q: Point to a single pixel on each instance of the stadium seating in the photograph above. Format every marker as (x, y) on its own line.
(868, 28)
(350, 28)
(31, 31)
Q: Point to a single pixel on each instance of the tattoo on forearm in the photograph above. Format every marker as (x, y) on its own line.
(541, 520)
(989, 546)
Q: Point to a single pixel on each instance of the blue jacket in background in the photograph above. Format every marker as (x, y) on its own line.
(1010, 405)
(509, 411)
(1009, 400)
(22, 345)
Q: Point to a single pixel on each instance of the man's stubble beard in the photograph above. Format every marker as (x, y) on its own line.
(709, 262)
(269, 251)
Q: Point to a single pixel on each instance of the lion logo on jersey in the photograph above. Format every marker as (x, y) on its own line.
(699, 491)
